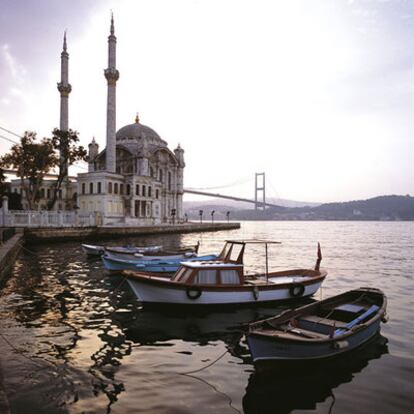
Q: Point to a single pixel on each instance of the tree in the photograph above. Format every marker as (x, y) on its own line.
(2, 182)
(32, 161)
(65, 143)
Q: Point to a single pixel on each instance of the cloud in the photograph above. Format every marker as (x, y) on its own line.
(14, 76)
(15, 69)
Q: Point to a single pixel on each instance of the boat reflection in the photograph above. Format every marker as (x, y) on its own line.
(286, 386)
(156, 324)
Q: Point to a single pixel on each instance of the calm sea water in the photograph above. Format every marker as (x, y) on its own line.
(75, 340)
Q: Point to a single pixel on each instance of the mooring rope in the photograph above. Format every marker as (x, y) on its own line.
(230, 401)
(208, 365)
(27, 250)
(333, 402)
(120, 284)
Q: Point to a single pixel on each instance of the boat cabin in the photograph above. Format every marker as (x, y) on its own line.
(209, 273)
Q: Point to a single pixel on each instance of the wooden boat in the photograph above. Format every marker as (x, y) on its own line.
(319, 330)
(223, 282)
(94, 250)
(159, 264)
(129, 253)
(288, 386)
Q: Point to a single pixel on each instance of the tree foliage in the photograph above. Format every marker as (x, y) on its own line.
(2, 182)
(32, 161)
(65, 144)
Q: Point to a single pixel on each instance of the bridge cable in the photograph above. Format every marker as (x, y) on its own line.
(240, 181)
(8, 139)
(10, 132)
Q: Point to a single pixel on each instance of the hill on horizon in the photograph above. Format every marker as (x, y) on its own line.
(385, 207)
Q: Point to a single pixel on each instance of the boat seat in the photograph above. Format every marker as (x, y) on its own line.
(318, 320)
(295, 332)
(360, 318)
(349, 307)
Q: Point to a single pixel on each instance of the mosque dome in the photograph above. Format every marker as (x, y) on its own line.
(137, 135)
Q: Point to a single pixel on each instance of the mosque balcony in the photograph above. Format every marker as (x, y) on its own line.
(111, 75)
(64, 88)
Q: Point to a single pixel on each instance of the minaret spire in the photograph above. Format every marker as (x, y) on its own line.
(64, 88)
(111, 75)
(112, 24)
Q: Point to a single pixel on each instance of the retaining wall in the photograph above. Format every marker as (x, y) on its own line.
(97, 233)
(8, 253)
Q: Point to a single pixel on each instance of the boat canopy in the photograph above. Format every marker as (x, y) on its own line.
(233, 250)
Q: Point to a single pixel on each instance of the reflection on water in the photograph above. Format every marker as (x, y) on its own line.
(291, 386)
(74, 339)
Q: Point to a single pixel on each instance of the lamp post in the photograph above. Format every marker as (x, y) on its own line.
(200, 213)
(173, 211)
(212, 216)
(228, 216)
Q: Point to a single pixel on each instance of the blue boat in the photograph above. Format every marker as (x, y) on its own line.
(158, 264)
(319, 330)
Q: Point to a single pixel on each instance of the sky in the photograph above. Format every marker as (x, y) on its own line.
(318, 94)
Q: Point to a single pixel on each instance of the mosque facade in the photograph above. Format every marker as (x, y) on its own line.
(136, 179)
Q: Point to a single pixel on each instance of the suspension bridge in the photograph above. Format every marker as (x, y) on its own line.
(259, 193)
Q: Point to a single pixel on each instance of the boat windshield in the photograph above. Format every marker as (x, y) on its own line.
(206, 277)
(229, 277)
(180, 275)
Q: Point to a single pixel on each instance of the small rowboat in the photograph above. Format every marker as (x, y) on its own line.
(223, 282)
(128, 253)
(93, 250)
(131, 250)
(319, 330)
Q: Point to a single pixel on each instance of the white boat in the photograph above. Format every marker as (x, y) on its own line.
(129, 251)
(93, 250)
(223, 282)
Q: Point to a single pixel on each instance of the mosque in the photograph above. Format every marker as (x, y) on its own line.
(135, 180)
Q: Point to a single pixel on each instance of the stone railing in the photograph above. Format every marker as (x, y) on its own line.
(45, 218)
(24, 218)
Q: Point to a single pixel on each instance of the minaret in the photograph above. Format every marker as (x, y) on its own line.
(92, 154)
(64, 88)
(111, 75)
(179, 154)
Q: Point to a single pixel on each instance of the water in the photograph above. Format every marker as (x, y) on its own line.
(75, 340)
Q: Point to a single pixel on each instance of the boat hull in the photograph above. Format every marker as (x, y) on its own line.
(158, 265)
(182, 295)
(92, 250)
(264, 349)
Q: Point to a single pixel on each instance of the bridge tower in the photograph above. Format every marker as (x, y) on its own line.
(260, 186)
